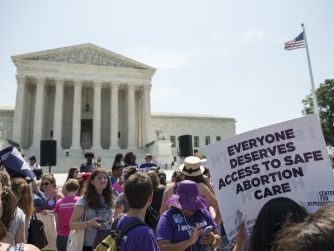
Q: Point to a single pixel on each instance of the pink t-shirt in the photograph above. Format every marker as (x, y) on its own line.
(64, 209)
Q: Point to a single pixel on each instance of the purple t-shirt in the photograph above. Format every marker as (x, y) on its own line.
(174, 226)
(139, 238)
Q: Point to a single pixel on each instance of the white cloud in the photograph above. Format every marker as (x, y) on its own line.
(163, 91)
(162, 59)
(254, 35)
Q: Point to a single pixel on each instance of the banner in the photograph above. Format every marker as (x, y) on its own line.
(13, 161)
(288, 159)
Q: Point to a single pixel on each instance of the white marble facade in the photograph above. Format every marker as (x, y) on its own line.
(83, 96)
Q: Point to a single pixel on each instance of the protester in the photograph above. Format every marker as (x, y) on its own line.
(49, 188)
(269, 221)
(3, 232)
(315, 233)
(180, 227)
(196, 153)
(148, 163)
(162, 178)
(130, 160)
(5, 179)
(83, 183)
(192, 170)
(24, 198)
(73, 173)
(115, 176)
(63, 212)
(177, 176)
(121, 204)
(138, 190)
(12, 217)
(158, 190)
(38, 196)
(33, 163)
(93, 212)
(119, 159)
(89, 165)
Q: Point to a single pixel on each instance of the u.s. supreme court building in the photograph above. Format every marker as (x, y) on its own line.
(87, 97)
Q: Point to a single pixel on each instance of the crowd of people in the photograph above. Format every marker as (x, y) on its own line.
(181, 214)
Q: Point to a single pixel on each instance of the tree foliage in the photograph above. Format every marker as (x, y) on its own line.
(325, 96)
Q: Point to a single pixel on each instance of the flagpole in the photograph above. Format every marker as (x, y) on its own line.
(315, 102)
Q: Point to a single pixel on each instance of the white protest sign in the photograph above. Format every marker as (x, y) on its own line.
(288, 159)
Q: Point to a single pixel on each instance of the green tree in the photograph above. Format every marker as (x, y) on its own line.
(325, 96)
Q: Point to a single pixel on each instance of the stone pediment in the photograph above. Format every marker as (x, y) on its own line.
(84, 54)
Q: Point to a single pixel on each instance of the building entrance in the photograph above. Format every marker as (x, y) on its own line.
(86, 133)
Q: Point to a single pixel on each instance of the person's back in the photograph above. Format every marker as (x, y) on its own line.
(63, 213)
(138, 190)
(139, 238)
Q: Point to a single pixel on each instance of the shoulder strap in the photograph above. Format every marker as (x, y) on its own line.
(127, 228)
(114, 224)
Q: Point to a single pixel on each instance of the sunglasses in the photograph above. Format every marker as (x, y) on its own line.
(45, 184)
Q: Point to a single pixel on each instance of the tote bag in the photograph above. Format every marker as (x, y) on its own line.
(49, 223)
(76, 238)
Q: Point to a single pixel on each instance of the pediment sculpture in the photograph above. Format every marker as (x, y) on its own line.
(85, 56)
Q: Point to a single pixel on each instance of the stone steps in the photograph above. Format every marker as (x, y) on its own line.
(76, 158)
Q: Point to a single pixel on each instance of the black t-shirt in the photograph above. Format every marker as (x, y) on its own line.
(157, 198)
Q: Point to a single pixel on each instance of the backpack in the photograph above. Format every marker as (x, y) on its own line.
(113, 240)
(152, 217)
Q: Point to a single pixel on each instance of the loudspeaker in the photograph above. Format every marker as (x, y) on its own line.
(185, 145)
(48, 153)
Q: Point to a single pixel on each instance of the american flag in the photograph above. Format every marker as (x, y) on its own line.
(298, 42)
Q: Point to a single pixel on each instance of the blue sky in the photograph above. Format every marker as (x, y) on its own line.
(212, 57)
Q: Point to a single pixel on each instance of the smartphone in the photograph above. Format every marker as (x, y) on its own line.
(103, 222)
(206, 231)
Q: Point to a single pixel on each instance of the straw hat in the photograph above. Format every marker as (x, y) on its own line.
(192, 166)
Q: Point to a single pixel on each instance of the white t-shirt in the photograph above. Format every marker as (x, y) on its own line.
(16, 222)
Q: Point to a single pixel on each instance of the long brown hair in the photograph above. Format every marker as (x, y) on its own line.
(92, 197)
(9, 202)
(24, 196)
(71, 171)
(2, 226)
(154, 179)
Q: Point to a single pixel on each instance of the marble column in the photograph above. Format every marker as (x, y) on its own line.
(131, 117)
(19, 107)
(76, 123)
(38, 114)
(147, 114)
(58, 111)
(97, 116)
(114, 117)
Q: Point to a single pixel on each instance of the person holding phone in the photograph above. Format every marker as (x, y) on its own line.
(93, 212)
(187, 225)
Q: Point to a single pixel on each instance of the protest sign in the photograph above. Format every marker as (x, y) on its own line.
(288, 159)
